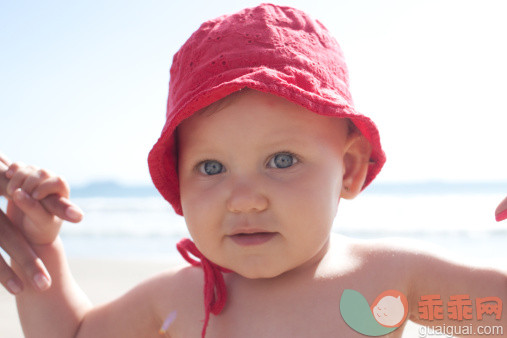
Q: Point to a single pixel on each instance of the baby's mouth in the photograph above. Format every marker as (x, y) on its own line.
(254, 238)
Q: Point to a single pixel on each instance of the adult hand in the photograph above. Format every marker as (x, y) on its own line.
(16, 230)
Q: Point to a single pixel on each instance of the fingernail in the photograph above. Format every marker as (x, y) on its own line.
(13, 286)
(74, 213)
(41, 281)
(36, 195)
(501, 216)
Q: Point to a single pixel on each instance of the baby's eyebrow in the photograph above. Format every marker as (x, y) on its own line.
(284, 141)
(198, 155)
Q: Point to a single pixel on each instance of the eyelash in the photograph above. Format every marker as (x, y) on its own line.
(200, 167)
(273, 157)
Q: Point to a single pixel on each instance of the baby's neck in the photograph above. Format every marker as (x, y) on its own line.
(315, 268)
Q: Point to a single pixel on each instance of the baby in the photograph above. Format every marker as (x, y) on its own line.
(261, 143)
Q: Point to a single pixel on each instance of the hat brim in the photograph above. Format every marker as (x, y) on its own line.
(163, 158)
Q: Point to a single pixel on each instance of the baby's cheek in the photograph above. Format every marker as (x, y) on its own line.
(197, 199)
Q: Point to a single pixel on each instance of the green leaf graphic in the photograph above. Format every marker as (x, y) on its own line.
(356, 313)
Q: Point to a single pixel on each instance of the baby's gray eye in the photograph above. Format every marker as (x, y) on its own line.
(211, 167)
(282, 160)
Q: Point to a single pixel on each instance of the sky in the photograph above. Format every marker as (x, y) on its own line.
(83, 84)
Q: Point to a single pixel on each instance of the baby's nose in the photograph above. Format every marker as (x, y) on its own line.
(246, 197)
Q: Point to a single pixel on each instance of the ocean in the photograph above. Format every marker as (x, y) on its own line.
(147, 227)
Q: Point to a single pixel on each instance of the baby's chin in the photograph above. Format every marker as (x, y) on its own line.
(261, 272)
(259, 275)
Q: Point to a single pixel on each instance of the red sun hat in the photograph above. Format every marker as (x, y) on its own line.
(273, 49)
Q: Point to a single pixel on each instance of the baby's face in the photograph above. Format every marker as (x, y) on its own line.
(260, 181)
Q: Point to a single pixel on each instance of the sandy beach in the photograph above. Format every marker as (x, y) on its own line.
(102, 280)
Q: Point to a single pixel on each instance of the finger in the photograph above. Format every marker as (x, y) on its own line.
(51, 185)
(35, 212)
(501, 211)
(53, 205)
(54, 192)
(17, 174)
(3, 181)
(63, 208)
(13, 167)
(4, 165)
(9, 279)
(4, 160)
(16, 246)
(34, 180)
(57, 205)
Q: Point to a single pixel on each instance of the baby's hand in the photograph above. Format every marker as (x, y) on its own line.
(28, 186)
(501, 211)
(37, 205)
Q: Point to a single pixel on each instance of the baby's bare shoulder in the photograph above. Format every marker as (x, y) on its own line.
(372, 266)
(178, 287)
(178, 290)
(394, 261)
(414, 266)
(142, 310)
(395, 249)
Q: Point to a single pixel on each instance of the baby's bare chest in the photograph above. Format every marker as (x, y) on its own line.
(320, 317)
(299, 307)
(301, 312)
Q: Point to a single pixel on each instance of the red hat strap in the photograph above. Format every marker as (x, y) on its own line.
(214, 283)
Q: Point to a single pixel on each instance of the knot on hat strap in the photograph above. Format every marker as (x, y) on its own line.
(215, 291)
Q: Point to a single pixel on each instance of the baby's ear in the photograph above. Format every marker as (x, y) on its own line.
(355, 165)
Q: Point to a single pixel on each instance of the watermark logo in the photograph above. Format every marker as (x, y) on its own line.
(459, 307)
(386, 314)
(459, 310)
